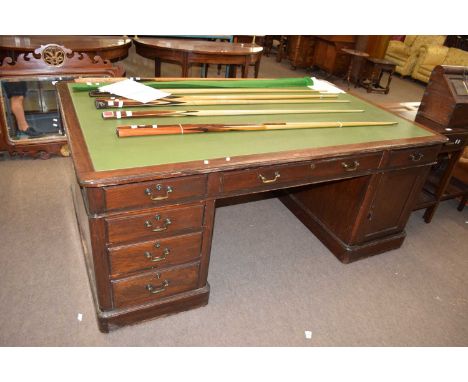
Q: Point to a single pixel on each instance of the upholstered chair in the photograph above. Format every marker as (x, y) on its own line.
(430, 56)
(404, 54)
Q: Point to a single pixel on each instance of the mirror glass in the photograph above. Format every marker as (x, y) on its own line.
(30, 108)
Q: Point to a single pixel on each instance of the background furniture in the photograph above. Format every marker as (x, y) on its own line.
(299, 50)
(404, 54)
(189, 52)
(460, 177)
(355, 65)
(107, 47)
(373, 72)
(444, 108)
(41, 70)
(146, 219)
(329, 55)
(432, 55)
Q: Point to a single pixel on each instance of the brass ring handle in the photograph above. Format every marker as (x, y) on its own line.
(159, 187)
(265, 180)
(166, 225)
(350, 167)
(154, 290)
(151, 257)
(416, 157)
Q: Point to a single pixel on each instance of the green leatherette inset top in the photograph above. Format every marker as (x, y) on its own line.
(108, 152)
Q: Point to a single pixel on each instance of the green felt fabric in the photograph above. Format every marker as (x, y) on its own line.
(197, 84)
(108, 152)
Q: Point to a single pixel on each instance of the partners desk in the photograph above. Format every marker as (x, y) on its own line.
(146, 205)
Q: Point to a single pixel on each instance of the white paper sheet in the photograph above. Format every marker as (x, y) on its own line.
(134, 90)
(325, 86)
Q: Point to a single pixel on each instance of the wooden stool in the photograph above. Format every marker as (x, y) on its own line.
(375, 68)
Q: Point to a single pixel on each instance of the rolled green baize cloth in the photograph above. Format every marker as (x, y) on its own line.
(193, 84)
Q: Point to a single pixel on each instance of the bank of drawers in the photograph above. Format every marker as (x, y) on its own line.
(154, 252)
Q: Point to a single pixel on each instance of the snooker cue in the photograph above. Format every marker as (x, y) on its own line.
(104, 104)
(205, 113)
(148, 130)
(97, 93)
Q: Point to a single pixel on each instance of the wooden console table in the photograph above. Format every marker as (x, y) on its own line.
(189, 52)
(146, 205)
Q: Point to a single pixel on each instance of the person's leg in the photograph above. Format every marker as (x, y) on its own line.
(17, 108)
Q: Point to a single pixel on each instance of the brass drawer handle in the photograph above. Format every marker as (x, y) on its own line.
(167, 223)
(265, 180)
(151, 257)
(416, 157)
(350, 167)
(155, 290)
(158, 187)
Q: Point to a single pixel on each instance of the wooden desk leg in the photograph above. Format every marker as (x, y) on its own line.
(429, 213)
(157, 67)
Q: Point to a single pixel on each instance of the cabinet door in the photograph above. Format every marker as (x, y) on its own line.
(392, 203)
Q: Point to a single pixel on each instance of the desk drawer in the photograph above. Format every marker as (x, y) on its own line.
(153, 223)
(154, 285)
(159, 253)
(154, 193)
(413, 156)
(272, 176)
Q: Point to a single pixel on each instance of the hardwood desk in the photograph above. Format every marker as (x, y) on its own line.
(189, 52)
(107, 47)
(146, 205)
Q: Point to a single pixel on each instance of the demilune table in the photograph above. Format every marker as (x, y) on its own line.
(146, 205)
(189, 52)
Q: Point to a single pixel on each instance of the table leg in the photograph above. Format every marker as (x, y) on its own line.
(463, 202)
(257, 68)
(245, 70)
(157, 67)
(232, 71)
(185, 66)
(348, 75)
(388, 82)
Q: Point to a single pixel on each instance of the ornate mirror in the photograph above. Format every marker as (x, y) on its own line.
(30, 122)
